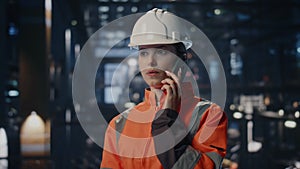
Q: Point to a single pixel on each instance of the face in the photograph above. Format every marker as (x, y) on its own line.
(154, 60)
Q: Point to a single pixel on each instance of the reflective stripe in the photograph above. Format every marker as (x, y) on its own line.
(216, 158)
(199, 109)
(120, 123)
(188, 159)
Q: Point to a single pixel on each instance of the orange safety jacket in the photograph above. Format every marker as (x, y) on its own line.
(129, 142)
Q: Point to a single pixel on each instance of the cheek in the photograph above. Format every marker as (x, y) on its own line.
(141, 64)
(167, 64)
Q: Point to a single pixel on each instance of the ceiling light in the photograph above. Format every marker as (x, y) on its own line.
(103, 16)
(290, 124)
(232, 107)
(237, 115)
(234, 41)
(297, 114)
(134, 9)
(74, 22)
(132, 62)
(281, 112)
(103, 8)
(13, 93)
(120, 8)
(217, 12)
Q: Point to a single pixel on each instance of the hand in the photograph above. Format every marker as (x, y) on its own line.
(171, 86)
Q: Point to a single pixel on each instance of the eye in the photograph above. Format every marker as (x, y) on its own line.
(143, 53)
(161, 52)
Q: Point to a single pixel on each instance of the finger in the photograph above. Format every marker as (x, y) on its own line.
(176, 79)
(167, 88)
(172, 84)
(168, 81)
(173, 76)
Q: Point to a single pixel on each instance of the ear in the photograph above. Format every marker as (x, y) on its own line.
(188, 55)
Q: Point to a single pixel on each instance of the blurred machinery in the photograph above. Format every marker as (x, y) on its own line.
(260, 137)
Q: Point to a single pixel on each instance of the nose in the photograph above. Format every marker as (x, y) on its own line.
(152, 61)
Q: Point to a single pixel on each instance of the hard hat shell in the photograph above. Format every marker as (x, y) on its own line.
(158, 26)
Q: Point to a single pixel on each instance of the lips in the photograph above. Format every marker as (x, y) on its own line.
(152, 72)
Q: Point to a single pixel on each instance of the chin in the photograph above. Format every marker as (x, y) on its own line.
(156, 85)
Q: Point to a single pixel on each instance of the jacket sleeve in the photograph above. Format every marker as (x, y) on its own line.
(208, 146)
(110, 158)
(203, 149)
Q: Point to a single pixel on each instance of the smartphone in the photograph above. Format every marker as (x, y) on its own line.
(179, 64)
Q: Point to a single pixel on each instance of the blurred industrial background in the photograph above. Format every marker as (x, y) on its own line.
(258, 42)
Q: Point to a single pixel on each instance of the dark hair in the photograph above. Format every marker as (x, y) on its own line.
(181, 51)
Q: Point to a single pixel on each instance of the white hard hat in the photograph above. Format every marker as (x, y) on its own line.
(158, 26)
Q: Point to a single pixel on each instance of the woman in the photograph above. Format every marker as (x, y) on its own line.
(171, 128)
